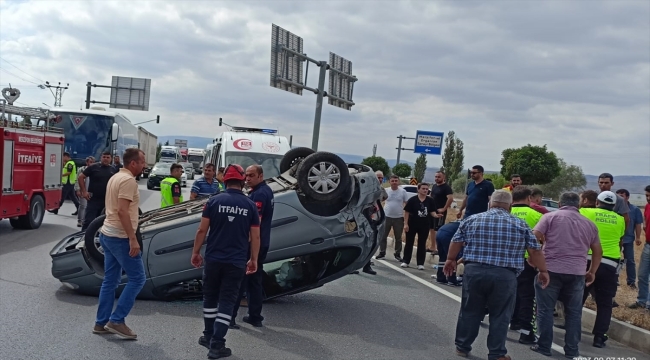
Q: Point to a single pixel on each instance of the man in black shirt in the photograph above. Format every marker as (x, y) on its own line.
(99, 174)
(443, 196)
(418, 213)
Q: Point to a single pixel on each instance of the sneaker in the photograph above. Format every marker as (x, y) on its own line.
(599, 341)
(99, 329)
(219, 353)
(404, 265)
(636, 305)
(75, 213)
(247, 319)
(397, 257)
(461, 353)
(381, 255)
(420, 267)
(120, 330)
(55, 211)
(203, 341)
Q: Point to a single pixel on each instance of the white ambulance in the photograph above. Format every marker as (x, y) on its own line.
(249, 146)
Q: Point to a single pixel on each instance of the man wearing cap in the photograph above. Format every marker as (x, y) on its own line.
(611, 229)
(233, 221)
(251, 288)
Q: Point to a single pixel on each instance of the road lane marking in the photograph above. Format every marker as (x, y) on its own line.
(448, 294)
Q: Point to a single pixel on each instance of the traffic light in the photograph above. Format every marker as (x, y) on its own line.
(157, 119)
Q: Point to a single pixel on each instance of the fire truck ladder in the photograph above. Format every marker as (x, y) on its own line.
(34, 113)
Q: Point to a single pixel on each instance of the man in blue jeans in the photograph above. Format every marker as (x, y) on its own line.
(443, 240)
(233, 221)
(495, 242)
(121, 248)
(632, 235)
(567, 238)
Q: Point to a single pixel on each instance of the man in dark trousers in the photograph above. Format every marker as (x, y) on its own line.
(251, 286)
(68, 179)
(443, 197)
(443, 238)
(233, 221)
(95, 192)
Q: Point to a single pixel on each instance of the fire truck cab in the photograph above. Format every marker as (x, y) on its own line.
(30, 167)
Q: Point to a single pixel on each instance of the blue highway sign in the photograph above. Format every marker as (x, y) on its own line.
(428, 142)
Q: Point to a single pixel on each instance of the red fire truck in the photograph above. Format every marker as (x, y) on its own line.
(30, 166)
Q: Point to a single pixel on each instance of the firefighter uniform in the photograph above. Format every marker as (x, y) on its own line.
(231, 214)
(170, 188)
(523, 318)
(611, 228)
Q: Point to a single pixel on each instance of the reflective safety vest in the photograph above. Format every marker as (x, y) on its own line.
(527, 214)
(611, 228)
(73, 174)
(166, 198)
(221, 187)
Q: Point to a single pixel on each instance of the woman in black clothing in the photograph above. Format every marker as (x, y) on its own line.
(418, 214)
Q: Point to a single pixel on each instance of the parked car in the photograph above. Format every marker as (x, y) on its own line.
(159, 172)
(550, 204)
(325, 225)
(188, 169)
(412, 190)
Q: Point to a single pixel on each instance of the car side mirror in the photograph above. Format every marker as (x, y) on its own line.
(115, 132)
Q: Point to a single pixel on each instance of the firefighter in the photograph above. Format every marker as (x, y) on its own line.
(68, 179)
(170, 187)
(611, 229)
(523, 319)
(231, 253)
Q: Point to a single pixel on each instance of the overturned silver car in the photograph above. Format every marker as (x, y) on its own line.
(326, 223)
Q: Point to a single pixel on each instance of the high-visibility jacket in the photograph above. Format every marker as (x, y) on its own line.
(527, 214)
(73, 174)
(166, 198)
(611, 228)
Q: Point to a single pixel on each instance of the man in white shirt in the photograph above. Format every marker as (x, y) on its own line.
(393, 209)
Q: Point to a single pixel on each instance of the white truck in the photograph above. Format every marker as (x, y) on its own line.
(148, 143)
(195, 156)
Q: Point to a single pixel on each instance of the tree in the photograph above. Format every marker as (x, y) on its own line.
(402, 170)
(459, 182)
(158, 149)
(497, 180)
(420, 167)
(377, 163)
(571, 178)
(535, 164)
(453, 157)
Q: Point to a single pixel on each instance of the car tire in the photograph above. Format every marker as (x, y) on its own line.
(294, 156)
(332, 167)
(89, 238)
(149, 187)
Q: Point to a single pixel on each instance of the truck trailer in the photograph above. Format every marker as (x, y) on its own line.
(148, 143)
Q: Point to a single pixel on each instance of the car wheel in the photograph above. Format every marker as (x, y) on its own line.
(294, 156)
(150, 187)
(323, 176)
(91, 239)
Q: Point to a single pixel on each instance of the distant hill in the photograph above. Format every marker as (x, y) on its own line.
(634, 184)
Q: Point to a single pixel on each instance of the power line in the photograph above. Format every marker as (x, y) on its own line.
(9, 72)
(59, 92)
(21, 70)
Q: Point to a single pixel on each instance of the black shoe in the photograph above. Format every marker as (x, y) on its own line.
(368, 270)
(536, 349)
(234, 326)
(247, 319)
(55, 211)
(599, 341)
(527, 339)
(381, 255)
(398, 258)
(75, 213)
(219, 353)
(204, 342)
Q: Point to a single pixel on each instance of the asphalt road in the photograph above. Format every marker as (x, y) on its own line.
(397, 314)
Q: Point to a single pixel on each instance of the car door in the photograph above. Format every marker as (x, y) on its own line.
(170, 251)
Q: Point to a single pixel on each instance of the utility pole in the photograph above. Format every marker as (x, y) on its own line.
(400, 148)
(58, 93)
(374, 150)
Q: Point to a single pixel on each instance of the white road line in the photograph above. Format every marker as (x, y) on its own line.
(448, 294)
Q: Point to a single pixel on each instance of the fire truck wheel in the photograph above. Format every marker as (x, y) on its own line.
(34, 218)
(91, 239)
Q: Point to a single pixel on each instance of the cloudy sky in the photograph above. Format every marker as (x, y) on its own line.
(571, 74)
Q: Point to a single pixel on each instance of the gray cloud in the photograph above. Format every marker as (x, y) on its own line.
(574, 75)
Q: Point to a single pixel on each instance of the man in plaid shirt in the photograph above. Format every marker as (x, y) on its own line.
(494, 242)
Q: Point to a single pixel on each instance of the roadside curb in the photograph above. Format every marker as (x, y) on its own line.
(622, 332)
(626, 334)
